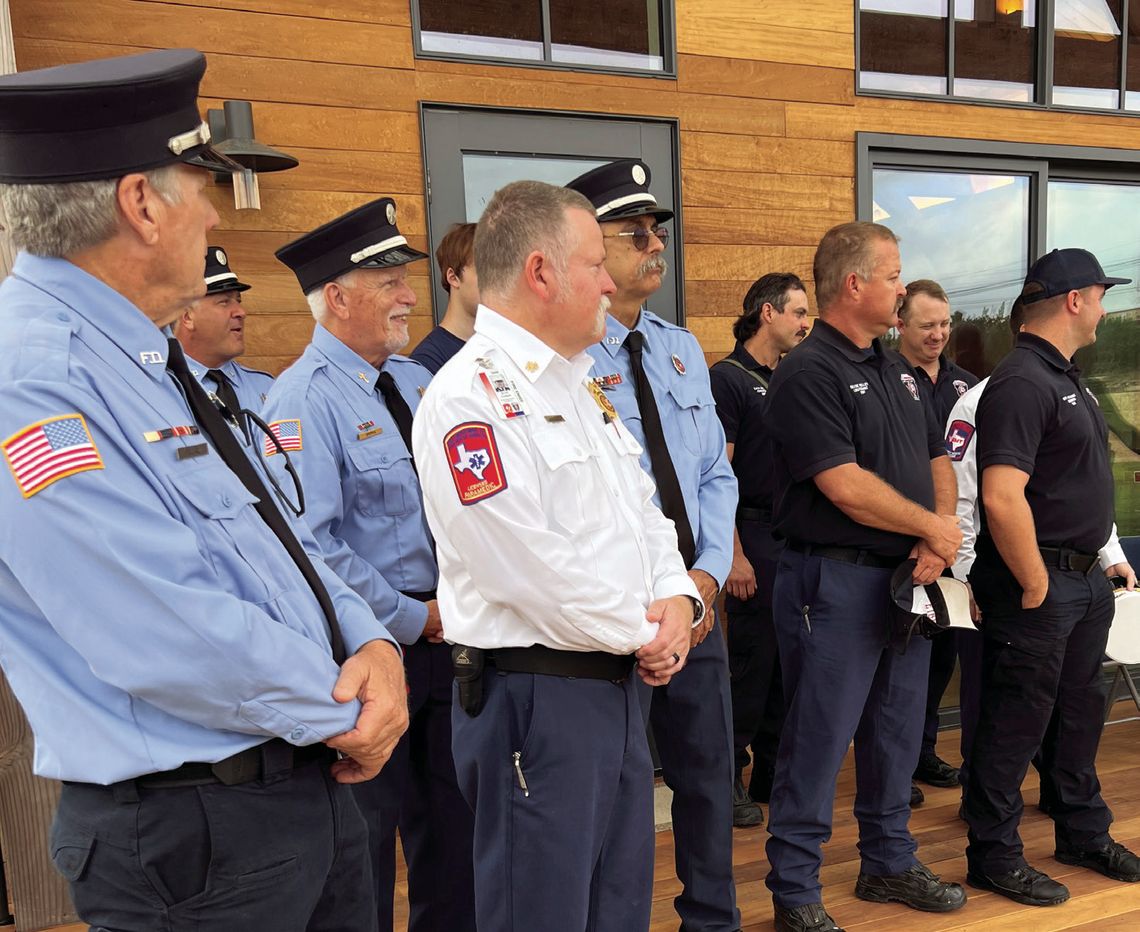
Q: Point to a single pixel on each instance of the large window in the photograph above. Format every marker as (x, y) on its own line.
(972, 216)
(1081, 54)
(621, 35)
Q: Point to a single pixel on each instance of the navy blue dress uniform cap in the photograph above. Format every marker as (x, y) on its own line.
(1062, 271)
(105, 119)
(219, 277)
(619, 190)
(364, 238)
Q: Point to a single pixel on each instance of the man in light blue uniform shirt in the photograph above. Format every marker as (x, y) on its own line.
(185, 659)
(212, 334)
(345, 410)
(645, 364)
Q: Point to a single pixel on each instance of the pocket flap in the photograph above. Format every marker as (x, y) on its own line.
(689, 394)
(214, 491)
(71, 851)
(558, 448)
(376, 453)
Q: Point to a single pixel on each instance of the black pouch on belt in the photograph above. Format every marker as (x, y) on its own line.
(467, 662)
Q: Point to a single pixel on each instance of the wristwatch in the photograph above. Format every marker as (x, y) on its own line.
(698, 610)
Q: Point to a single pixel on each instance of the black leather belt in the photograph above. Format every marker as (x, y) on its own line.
(420, 596)
(853, 555)
(754, 514)
(1062, 558)
(589, 665)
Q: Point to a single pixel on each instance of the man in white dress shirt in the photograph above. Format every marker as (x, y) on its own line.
(559, 578)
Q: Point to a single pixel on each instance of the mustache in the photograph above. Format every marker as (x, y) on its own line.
(653, 264)
(604, 305)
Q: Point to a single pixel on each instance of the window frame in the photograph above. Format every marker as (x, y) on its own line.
(668, 49)
(1043, 78)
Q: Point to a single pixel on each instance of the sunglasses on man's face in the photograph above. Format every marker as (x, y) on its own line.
(641, 237)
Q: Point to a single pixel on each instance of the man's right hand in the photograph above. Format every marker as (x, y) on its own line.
(433, 627)
(741, 582)
(374, 675)
(944, 537)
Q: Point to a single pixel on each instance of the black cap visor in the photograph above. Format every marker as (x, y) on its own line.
(660, 214)
(390, 258)
(207, 156)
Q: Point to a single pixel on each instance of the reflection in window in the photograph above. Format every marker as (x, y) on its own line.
(970, 233)
(1086, 53)
(616, 34)
(995, 49)
(484, 174)
(902, 46)
(1105, 218)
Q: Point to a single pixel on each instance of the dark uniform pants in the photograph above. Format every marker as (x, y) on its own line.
(841, 680)
(754, 664)
(1041, 688)
(287, 854)
(691, 717)
(417, 792)
(943, 656)
(573, 851)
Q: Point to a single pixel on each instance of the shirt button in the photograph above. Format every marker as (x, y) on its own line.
(297, 733)
(225, 497)
(63, 316)
(383, 459)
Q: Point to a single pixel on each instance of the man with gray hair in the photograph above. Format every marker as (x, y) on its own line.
(188, 664)
(559, 578)
(345, 409)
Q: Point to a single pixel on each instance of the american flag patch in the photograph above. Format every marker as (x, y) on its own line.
(288, 434)
(49, 450)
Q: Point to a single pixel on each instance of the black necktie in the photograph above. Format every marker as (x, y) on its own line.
(668, 488)
(210, 419)
(397, 407)
(228, 397)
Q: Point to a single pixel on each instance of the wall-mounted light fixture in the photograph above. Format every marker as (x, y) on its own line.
(232, 128)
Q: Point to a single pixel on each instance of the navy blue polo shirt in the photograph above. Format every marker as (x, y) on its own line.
(830, 403)
(952, 383)
(1037, 414)
(436, 348)
(740, 396)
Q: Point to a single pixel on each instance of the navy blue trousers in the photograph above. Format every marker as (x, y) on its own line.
(417, 793)
(1042, 692)
(573, 851)
(691, 717)
(943, 656)
(841, 681)
(287, 854)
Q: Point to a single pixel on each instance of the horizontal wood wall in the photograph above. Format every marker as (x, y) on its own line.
(764, 95)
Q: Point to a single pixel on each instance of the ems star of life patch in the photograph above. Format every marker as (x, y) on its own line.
(958, 439)
(473, 456)
(288, 434)
(49, 450)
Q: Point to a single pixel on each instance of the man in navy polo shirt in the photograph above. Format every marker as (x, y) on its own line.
(1046, 508)
(862, 483)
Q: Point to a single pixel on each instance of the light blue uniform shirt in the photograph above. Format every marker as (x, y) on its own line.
(148, 616)
(250, 385)
(693, 432)
(362, 496)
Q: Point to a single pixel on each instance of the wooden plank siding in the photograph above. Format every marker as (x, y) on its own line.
(764, 96)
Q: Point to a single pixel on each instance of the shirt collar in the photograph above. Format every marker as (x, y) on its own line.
(359, 371)
(98, 305)
(530, 355)
(1044, 349)
(832, 337)
(616, 332)
(746, 359)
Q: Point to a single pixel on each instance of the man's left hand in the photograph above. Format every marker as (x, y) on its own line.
(1125, 572)
(708, 588)
(930, 565)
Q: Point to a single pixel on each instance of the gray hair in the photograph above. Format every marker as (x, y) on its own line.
(845, 249)
(521, 218)
(318, 306)
(60, 220)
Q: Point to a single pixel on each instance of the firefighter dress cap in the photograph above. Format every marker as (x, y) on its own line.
(219, 277)
(364, 238)
(620, 190)
(105, 119)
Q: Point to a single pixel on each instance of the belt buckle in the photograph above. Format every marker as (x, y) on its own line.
(1065, 558)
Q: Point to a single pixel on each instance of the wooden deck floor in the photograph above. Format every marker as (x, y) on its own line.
(1096, 902)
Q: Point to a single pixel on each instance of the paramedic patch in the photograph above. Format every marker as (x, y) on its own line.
(958, 439)
(476, 467)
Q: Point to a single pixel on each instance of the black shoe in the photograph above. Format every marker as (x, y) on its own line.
(916, 796)
(934, 770)
(916, 887)
(745, 812)
(1023, 885)
(810, 918)
(1113, 860)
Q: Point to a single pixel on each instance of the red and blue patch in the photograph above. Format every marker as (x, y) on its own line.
(958, 439)
(476, 467)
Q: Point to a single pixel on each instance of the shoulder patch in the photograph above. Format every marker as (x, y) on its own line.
(958, 439)
(288, 434)
(473, 457)
(50, 450)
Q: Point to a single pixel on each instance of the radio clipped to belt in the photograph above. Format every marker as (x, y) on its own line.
(468, 663)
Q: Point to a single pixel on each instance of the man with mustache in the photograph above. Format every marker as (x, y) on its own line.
(773, 322)
(655, 375)
(924, 332)
(559, 578)
(212, 334)
(344, 413)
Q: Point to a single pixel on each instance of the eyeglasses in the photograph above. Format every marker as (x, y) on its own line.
(641, 237)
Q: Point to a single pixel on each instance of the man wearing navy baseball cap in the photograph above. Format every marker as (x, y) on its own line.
(188, 664)
(1046, 509)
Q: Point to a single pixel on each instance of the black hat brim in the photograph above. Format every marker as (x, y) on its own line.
(660, 214)
(208, 157)
(223, 287)
(390, 258)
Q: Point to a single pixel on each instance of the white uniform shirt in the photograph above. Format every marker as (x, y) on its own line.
(544, 521)
(963, 447)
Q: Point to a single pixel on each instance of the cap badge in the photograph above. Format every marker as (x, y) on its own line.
(639, 174)
(391, 213)
(678, 365)
(198, 136)
(219, 257)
